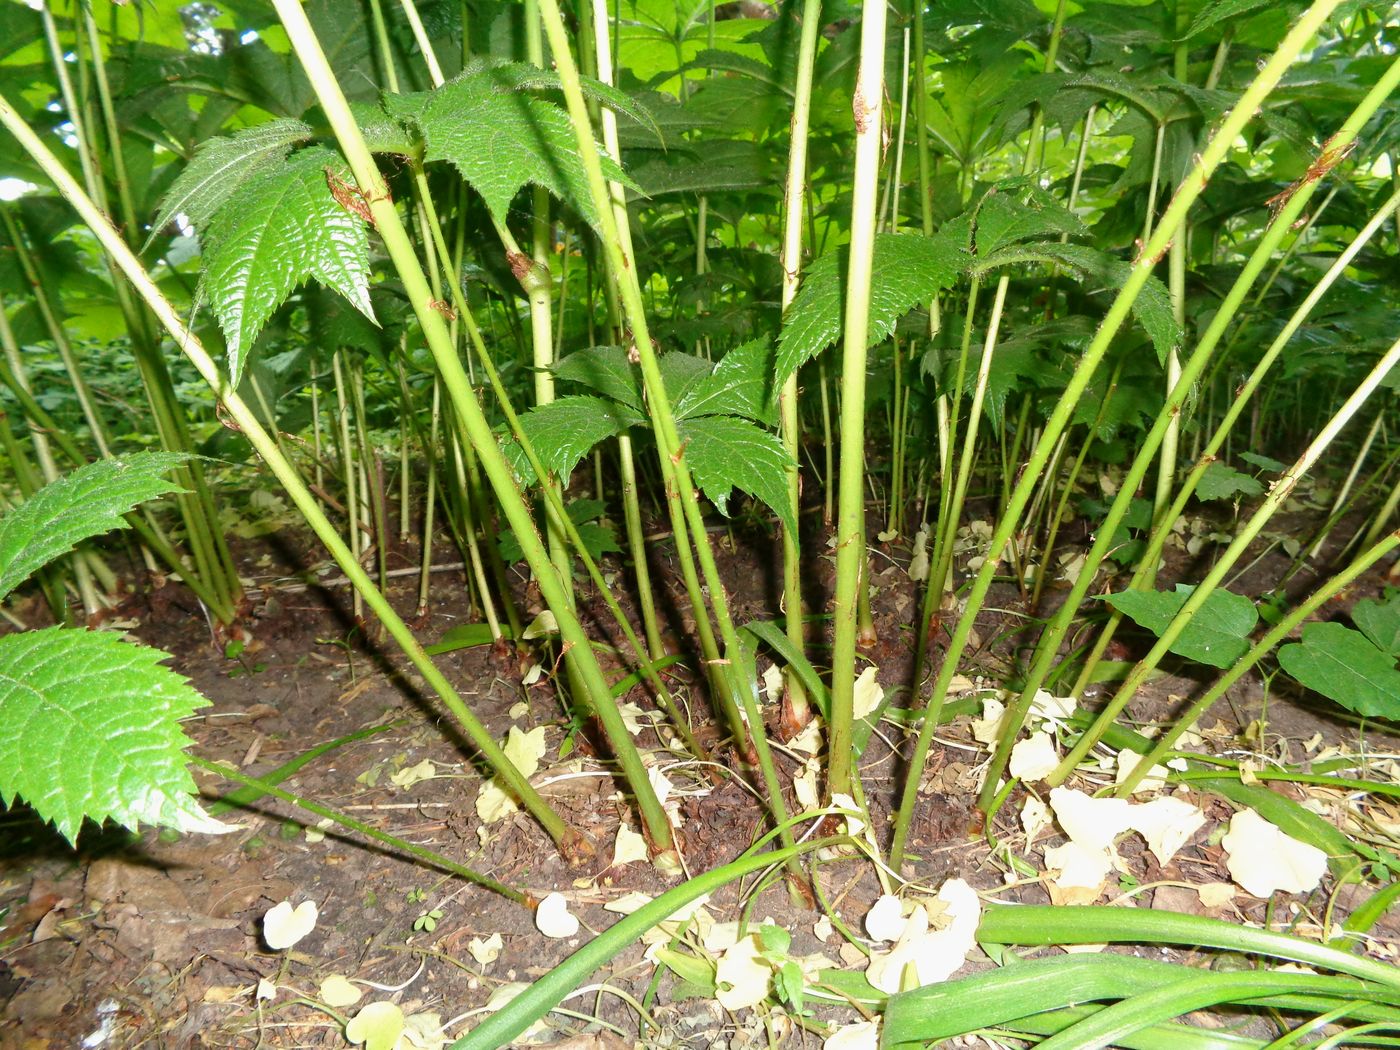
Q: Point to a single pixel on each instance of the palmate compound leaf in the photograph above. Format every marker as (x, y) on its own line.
(501, 139)
(1217, 635)
(220, 165)
(276, 230)
(909, 269)
(88, 502)
(1345, 666)
(92, 730)
(726, 453)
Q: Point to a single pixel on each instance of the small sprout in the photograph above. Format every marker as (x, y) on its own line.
(427, 922)
(417, 895)
(553, 918)
(284, 925)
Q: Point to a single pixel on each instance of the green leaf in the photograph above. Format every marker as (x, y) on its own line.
(564, 431)
(1008, 217)
(1217, 12)
(726, 453)
(606, 370)
(1222, 481)
(221, 165)
(501, 139)
(93, 731)
(680, 372)
(1152, 308)
(909, 269)
(88, 502)
(737, 387)
(1217, 635)
(1345, 666)
(274, 232)
(1380, 621)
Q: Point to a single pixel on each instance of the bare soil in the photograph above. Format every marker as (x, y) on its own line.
(144, 940)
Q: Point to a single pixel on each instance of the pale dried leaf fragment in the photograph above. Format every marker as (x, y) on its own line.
(1081, 871)
(987, 729)
(863, 1035)
(487, 951)
(741, 975)
(1091, 822)
(415, 774)
(1216, 894)
(284, 925)
(553, 918)
(629, 848)
(423, 1031)
(524, 751)
(378, 1026)
(1035, 818)
(1167, 823)
(868, 693)
(773, 682)
(1034, 758)
(804, 784)
(809, 740)
(338, 992)
(1154, 780)
(935, 954)
(1264, 859)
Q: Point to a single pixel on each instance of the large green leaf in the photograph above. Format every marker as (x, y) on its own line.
(92, 727)
(726, 453)
(909, 269)
(1380, 621)
(221, 165)
(88, 502)
(1222, 481)
(274, 232)
(1217, 635)
(739, 386)
(607, 370)
(1345, 666)
(564, 431)
(502, 139)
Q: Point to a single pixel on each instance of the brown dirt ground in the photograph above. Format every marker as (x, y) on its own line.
(136, 941)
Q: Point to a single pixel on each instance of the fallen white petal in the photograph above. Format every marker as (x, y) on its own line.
(284, 925)
(1166, 823)
(773, 682)
(863, 1035)
(744, 973)
(868, 693)
(885, 919)
(1091, 822)
(1034, 758)
(1035, 818)
(1082, 869)
(629, 848)
(987, 729)
(1127, 762)
(553, 918)
(487, 951)
(337, 991)
(1264, 859)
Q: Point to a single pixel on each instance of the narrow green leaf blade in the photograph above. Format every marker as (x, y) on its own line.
(726, 453)
(272, 234)
(86, 503)
(1217, 635)
(94, 732)
(1345, 666)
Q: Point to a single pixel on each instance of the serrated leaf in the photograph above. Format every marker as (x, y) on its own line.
(1380, 622)
(1215, 13)
(680, 372)
(86, 503)
(909, 269)
(726, 453)
(1019, 214)
(1345, 666)
(93, 731)
(382, 133)
(1217, 635)
(221, 165)
(738, 386)
(564, 431)
(1222, 481)
(1152, 308)
(273, 233)
(501, 139)
(606, 370)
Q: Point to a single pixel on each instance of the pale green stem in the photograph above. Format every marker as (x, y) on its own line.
(1190, 189)
(850, 514)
